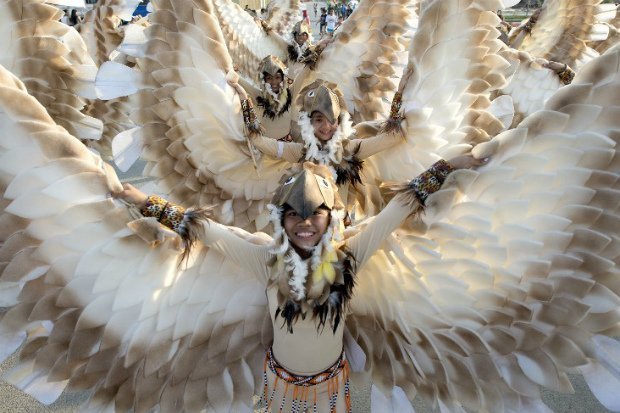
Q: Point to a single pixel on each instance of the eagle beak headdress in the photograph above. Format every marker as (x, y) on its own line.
(306, 190)
(325, 97)
(301, 27)
(272, 65)
(274, 103)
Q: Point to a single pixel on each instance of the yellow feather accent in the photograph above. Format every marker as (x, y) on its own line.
(325, 270)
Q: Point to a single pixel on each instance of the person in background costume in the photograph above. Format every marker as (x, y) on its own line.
(327, 136)
(273, 99)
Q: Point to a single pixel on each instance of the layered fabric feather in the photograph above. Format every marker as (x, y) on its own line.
(52, 61)
(103, 33)
(564, 28)
(453, 69)
(366, 57)
(613, 36)
(196, 148)
(108, 305)
(515, 285)
(530, 83)
(282, 15)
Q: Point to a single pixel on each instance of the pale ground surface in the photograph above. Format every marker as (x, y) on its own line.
(14, 401)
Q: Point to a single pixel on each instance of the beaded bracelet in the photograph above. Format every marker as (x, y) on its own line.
(431, 180)
(567, 75)
(249, 116)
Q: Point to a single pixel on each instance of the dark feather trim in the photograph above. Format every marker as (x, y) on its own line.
(292, 52)
(192, 228)
(393, 125)
(339, 296)
(333, 308)
(407, 192)
(349, 170)
(269, 110)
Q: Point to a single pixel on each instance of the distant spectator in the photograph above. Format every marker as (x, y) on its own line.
(330, 22)
(322, 22)
(74, 19)
(65, 18)
(263, 13)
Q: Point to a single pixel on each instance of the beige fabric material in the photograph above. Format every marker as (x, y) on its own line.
(188, 152)
(294, 152)
(365, 57)
(563, 28)
(283, 15)
(45, 55)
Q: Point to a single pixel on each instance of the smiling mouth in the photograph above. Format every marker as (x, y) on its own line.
(305, 234)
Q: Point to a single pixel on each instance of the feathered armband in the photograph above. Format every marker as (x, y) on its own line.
(184, 222)
(421, 187)
(394, 122)
(566, 75)
(249, 117)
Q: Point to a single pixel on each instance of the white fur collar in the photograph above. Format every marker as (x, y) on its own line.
(300, 49)
(280, 100)
(295, 267)
(326, 154)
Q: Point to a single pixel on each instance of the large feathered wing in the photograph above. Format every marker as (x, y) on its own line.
(565, 26)
(453, 68)
(101, 28)
(247, 40)
(102, 301)
(192, 124)
(282, 16)
(366, 57)
(515, 282)
(51, 60)
(613, 37)
(530, 83)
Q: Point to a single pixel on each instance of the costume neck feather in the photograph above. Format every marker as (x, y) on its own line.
(274, 104)
(326, 292)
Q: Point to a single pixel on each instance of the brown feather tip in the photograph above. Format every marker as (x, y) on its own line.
(393, 125)
(405, 192)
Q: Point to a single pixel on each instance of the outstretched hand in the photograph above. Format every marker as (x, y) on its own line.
(132, 195)
(467, 162)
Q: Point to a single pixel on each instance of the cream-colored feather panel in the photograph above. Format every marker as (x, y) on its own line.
(515, 282)
(454, 66)
(613, 37)
(564, 27)
(366, 57)
(531, 84)
(101, 31)
(247, 41)
(104, 300)
(283, 15)
(195, 146)
(51, 60)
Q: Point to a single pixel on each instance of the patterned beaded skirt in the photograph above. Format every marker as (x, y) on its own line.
(327, 391)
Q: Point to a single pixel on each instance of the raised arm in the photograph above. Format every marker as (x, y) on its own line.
(246, 250)
(390, 134)
(409, 200)
(291, 152)
(365, 148)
